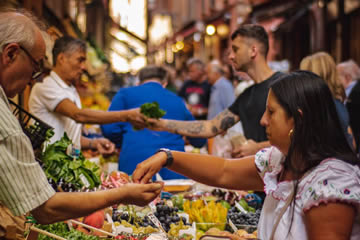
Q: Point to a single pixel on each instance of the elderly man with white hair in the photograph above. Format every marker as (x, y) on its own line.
(349, 73)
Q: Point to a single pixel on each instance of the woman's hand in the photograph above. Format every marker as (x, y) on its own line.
(141, 194)
(147, 169)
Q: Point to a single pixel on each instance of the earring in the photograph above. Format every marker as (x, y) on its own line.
(291, 132)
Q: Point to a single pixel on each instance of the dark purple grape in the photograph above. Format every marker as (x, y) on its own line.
(162, 219)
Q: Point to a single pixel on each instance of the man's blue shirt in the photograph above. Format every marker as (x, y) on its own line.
(221, 97)
(136, 146)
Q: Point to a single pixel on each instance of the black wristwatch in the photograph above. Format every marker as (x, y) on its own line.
(169, 158)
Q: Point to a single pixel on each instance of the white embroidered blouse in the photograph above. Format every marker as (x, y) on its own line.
(331, 181)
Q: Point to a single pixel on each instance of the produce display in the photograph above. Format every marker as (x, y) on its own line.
(184, 216)
(241, 218)
(61, 229)
(67, 170)
(200, 212)
(179, 216)
(168, 216)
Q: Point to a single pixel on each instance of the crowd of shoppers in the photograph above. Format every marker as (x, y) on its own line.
(24, 186)
(302, 129)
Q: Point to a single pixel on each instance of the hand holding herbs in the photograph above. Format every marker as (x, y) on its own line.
(151, 110)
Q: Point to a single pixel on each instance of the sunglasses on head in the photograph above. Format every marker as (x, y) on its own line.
(38, 66)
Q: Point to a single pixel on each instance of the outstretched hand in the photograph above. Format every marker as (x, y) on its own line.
(137, 119)
(141, 194)
(147, 169)
(140, 121)
(155, 124)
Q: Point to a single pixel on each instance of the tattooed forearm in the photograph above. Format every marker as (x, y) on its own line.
(225, 120)
(172, 126)
(190, 128)
(195, 128)
(226, 123)
(215, 130)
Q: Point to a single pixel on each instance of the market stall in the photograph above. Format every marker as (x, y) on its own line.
(184, 210)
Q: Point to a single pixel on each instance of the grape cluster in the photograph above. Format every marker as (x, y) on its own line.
(66, 187)
(168, 215)
(118, 216)
(240, 218)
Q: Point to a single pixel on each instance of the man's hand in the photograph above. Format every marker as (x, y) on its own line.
(147, 169)
(141, 194)
(250, 147)
(137, 119)
(104, 146)
(155, 124)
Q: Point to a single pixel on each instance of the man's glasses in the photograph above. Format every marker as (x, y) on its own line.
(38, 69)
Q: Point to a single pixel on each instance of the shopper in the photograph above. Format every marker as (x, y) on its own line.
(310, 174)
(222, 93)
(23, 184)
(349, 73)
(138, 145)
(322, 64)
(57, 102)
(196, 90)
(249, 46)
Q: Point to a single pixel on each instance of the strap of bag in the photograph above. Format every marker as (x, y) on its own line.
(281, 213)
(285, 207)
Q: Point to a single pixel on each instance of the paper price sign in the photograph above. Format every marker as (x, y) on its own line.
(240, 208)
(156, 221)
(232, 225)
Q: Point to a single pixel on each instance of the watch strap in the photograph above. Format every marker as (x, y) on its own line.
(169, 156)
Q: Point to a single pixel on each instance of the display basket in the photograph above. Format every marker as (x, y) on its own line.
(33, 127)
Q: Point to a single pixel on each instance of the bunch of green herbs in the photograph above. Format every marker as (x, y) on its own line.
(59, 165)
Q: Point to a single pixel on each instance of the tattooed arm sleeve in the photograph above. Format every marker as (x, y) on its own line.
(206, 128)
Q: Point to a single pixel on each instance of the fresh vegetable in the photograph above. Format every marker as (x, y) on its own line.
(62, 230)
(178, 201)
(95, 219)
(49, 133)
(63, 168)
(211, 213)
(152, 110)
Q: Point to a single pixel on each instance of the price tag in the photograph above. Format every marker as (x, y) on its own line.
(152, 207)
(240, 208)
(69, 149)
(84, 180)
(156, 221)
(205, 202)
(109, 220)
(123, 229)
(185, 215)
(232, 225)
(191, 231)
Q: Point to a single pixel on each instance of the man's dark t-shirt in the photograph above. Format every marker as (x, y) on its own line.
(196, 95)
(250, 107)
